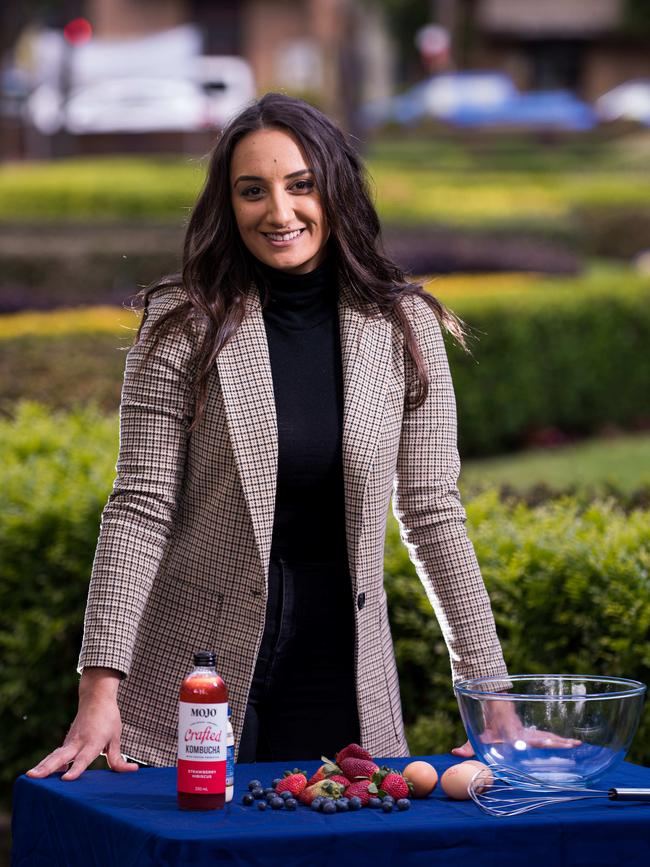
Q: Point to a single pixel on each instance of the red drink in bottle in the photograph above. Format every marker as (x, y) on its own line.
(202, 737)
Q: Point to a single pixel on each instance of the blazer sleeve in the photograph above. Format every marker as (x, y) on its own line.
(136, 522)
(427, 505)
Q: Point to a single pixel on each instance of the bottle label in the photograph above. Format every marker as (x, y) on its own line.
(230, 765)
(202, 748)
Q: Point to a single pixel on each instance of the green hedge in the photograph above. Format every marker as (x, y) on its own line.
(551, 353)
(567, 354)
(598, 202)
(104, 189)
(569, 586)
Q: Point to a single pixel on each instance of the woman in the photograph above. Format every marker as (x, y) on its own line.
(277, 394)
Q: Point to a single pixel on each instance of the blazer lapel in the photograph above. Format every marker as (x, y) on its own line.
(247, 388)
(365, 351)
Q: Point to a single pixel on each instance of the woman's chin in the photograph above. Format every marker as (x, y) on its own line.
(290, 263)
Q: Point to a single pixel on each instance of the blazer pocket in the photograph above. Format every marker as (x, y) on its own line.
(181, 617)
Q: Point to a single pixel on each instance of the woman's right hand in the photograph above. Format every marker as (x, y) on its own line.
(96, 730)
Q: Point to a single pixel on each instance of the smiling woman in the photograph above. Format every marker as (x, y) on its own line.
(276, 204)
(280, 389)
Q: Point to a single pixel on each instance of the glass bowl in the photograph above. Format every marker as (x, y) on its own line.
(560, 728)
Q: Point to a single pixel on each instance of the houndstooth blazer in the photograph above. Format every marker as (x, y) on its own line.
(182, 558)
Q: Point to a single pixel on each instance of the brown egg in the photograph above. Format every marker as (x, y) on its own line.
(487, 777)
(423, 776)
(456, 779)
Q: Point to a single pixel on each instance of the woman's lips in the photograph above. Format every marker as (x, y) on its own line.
(288, 238)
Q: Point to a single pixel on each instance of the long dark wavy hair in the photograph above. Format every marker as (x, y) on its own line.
(217, 268)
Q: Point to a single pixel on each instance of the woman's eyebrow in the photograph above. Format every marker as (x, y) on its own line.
(286, 177)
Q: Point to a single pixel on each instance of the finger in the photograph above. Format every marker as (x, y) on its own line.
(80, 764)
(465, 752)
(548, 739)
(55, 761)
(116, 761)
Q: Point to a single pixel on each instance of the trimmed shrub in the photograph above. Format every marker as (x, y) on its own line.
(65, 358)
(590, 196)
(569, 586)
(568, 354)
(57, 471)
(108, 189)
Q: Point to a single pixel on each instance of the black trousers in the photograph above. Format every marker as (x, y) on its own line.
(302, 702)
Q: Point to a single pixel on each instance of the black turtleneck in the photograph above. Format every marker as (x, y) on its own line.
(302, 329)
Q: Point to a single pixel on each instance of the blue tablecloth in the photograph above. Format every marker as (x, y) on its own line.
(105, 819)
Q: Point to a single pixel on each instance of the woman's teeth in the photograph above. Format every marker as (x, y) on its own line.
(289, 236)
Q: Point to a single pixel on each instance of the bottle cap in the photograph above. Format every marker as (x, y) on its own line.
(205, 657)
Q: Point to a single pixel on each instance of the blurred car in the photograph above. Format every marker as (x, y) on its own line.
(213, 89)
(627, 101)
(14, 90)
(227, 83)
(121, 105)
(481, 99)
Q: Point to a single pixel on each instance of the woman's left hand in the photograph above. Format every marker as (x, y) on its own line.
(504, 726)
(465, 752)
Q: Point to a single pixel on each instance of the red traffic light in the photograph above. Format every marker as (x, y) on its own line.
(78, 31)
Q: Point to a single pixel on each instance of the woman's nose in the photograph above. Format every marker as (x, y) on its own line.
(280, 210)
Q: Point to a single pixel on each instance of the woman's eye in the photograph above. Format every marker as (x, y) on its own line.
(301, 186)
(252, 191)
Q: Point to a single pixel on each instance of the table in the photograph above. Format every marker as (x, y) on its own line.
(105, 819)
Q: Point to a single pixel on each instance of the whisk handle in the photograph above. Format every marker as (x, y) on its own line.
(629, 794)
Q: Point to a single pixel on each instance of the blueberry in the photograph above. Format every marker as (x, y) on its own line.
(403, 804)
(276, 781)
(387, 807)
(329, 806)
(374, 803)
(315, 804)
(342, 806)
(269, 790)
(258, 793)
(389, 799)
(270, 795)
(286, 795)
(290, 804)
(276, 803)
(355, 803)
(254, 784)
(261, 805)
(248, 799)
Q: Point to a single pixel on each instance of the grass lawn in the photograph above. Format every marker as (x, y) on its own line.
(621, 461)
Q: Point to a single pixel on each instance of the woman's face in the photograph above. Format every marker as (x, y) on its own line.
(277, 207)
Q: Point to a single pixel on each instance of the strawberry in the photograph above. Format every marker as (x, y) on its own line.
(324, 771)
(324, 788)
(339, 778)
(391, 782)
(358, 768)
(353, 751)
(363, 789)
(294, 781)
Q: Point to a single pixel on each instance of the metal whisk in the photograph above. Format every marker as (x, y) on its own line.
(505, 791)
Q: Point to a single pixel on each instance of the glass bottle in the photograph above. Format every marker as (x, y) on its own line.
(202, 736)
